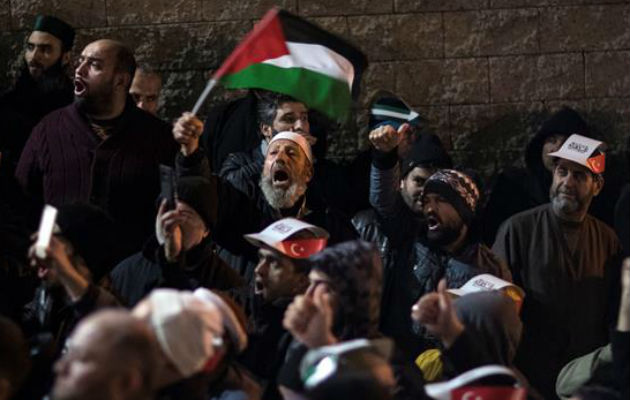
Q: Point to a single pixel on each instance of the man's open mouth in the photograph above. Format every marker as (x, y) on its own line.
(433, 223)
(258, 286)
(280, 178)
(42, 271)
(79, 87)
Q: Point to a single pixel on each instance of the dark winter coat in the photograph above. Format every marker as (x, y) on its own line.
(200, 266)
(64, 161)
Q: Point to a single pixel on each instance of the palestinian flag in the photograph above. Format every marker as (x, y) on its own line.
(289, 55)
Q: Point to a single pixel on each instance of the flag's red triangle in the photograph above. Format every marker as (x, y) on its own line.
(264, 42)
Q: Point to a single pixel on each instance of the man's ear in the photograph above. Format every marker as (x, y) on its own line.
(123, 80)
(65, 58)
(309, 171)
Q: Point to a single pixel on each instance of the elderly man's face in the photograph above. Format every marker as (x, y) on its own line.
(43, 50)
(573, 189)
(87, 370)
(286, 173)
(95, 76)
(145, 91)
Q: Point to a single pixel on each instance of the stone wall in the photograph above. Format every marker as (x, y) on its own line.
(484, 72)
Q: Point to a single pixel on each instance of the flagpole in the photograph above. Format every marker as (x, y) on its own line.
(209, 86)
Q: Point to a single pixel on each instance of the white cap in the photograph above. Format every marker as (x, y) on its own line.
(276, 235)
(580, 149)
(463, 386)
(484, 283)
(187, 328)
(296, 138)
(230, 321)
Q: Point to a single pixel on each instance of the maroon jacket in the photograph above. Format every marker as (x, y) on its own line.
(65, 161)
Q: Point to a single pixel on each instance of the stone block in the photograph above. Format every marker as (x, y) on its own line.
(465, 81)
(132, 12)
(546, 3)
(79, 14)
(585, 28)
(5, 14)
(11, 56)
(405, 6)
(490, 32)
(182, 88)
(443, 81)
(214, 10)
(348, 7)
(520, 78)
(609, 118)
(398, 37)
(437, 122)
(607, 74)
(421, 82)
(336, 25)
(378, 76)
(493, 137)
(178, 47)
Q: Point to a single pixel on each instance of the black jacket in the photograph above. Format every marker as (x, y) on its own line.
(268, 341)
(412, 269)
(200, 266)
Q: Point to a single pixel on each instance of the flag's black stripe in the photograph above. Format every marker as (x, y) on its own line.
(299, 30)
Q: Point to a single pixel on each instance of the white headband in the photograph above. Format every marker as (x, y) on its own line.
(295, 138)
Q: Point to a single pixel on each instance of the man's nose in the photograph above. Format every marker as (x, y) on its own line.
(80, 69)
(261, 269)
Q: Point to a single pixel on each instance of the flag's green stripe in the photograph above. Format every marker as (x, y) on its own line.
(316, 90)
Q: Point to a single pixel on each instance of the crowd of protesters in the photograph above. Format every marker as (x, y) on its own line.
(275, 273)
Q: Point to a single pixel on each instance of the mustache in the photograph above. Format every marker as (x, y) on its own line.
(35, 64)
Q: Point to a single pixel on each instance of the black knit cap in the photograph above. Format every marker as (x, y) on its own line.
(92, 234)
(57, 28)
(426, 151)
(197, 193)
(458, 189)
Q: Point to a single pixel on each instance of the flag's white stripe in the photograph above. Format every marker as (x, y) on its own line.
(387, 113)
(318, 58)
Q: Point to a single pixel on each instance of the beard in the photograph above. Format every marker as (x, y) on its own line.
(443, 236)
(564, 206)
(98, 100)
(53, 79)
(281, 198)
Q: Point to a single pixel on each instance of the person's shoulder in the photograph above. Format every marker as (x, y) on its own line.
(148, 120)
(602, 228)
(531, 214)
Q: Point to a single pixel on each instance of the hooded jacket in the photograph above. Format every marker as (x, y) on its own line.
(519, 189)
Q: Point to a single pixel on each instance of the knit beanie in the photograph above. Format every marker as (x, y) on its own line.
(426, 151)
(458, 189)
(197, 193)
(93, 235)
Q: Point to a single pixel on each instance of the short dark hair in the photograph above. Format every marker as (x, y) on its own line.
(268, 103)
(356, 271)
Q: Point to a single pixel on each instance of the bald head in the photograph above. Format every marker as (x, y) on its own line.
(110, 355)
(124, 60)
